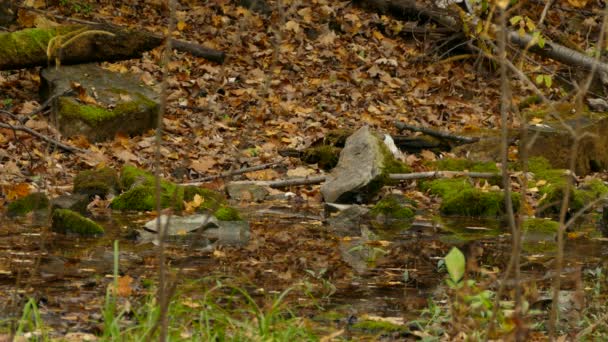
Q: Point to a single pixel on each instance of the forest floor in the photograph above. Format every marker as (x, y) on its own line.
(288, 79)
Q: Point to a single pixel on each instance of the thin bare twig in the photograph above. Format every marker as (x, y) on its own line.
(203, 180)
(44, 137)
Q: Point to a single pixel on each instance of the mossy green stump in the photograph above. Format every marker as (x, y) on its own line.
(69, 222)
(99, 182)
(27, 204)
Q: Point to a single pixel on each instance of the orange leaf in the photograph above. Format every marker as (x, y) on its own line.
(124, 286)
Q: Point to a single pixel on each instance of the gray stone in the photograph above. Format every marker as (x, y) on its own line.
(359, 169)
(113, 102)
(347, 222)
(249, 192)
(197, 230)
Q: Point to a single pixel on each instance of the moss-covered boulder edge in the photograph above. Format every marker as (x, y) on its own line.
(27, 204)
(551, 184)
(66, 221)
(393, 211)
(99, 182)
(460, 197)
(138, 194)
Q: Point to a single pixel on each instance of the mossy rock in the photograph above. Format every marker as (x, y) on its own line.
(66, 221)
(140, 193)
(212, 200)
(227, 214)
(131, 176)
(326, 156)
(99, 182)
(461, 164)
(553, 192)
(446, 187)
(540, 225)
(31, 202)
(474, 202)
(142, 198)
(392, 212)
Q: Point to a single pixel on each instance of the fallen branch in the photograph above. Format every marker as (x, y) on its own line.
(283, 183)
(179, 45)
(116, 43)
(437, 134)
(401, 9)
(200, 181)
(43, 137)
(394, 176)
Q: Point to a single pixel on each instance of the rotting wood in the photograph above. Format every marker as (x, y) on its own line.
(28, 48)
(179, 45)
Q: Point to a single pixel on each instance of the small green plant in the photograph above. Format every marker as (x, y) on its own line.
(31, 322)
(77, 6)
(6, 103)
(327, 288)
(371, 252)
(111, 321)
(544, 79)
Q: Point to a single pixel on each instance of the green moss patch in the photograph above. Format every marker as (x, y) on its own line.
(392, 212)
(227, 214)
(459, 164)
(474, 202)
(393, 206)
(460, 197)
(141, 189)
(211, 200)
(67, 221)
(99, 182)
(326, 156)
(95, 114)
(540, 225)
(553, 188)
(446, 187)
(31, 202)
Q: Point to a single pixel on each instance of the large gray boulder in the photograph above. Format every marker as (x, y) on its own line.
(362, 170)
(97, 103)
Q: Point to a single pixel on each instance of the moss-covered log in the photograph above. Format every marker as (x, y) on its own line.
(78, 44)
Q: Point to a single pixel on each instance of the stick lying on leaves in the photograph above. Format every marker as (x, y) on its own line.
(43, 137)
(437, 134)
(202, 180)
(395, 176)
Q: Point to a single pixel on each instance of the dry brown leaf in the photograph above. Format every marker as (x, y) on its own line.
(428, 155)
(203, 164)
(124, 286)
(267, 174)
(13, 192)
